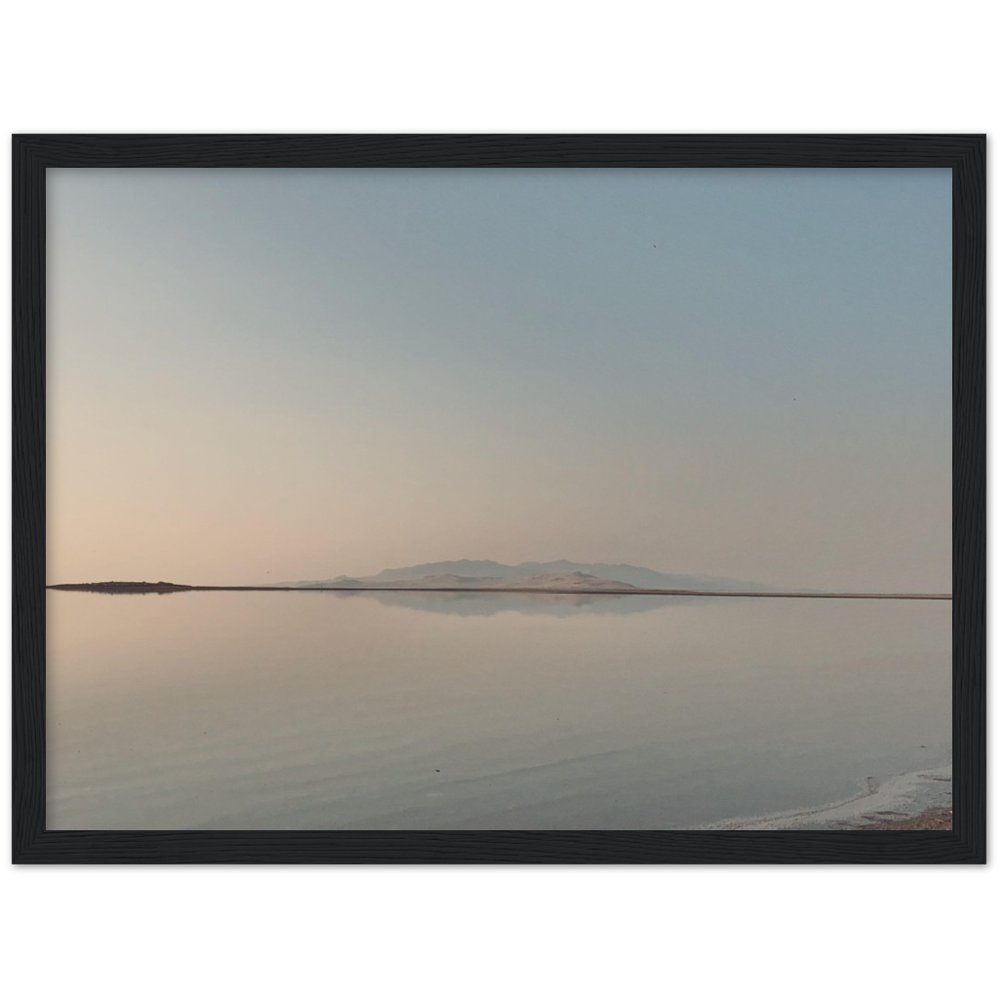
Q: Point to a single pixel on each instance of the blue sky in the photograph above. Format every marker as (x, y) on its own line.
(299, 373)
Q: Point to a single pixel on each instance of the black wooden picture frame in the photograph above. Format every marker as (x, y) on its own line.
(965, 155)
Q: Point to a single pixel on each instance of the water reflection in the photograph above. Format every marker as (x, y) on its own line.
(478, 603)
(346, 710)
(131, 593)
(485, 603)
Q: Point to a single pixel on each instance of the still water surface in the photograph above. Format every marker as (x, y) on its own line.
(419, 711)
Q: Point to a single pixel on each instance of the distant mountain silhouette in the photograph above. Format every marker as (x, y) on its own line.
(542, 581)
(486, 573)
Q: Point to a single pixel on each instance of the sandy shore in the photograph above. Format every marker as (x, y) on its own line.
(898, 802)
(929, 819)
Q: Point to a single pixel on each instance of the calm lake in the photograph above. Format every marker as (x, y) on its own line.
(417, 711)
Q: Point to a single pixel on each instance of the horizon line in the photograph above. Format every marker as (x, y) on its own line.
(165, 587)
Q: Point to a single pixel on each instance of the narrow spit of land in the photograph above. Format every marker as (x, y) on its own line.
(161, 587)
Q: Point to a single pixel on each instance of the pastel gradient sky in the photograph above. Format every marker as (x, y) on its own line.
(267, 375)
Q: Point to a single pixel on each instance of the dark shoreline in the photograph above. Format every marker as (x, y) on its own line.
(929, 819)
(170, 588)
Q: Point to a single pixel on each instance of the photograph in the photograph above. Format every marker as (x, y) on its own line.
(512, 498)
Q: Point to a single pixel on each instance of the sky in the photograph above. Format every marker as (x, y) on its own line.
(266, 375)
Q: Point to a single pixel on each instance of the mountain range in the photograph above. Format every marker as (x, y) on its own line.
(559, 575)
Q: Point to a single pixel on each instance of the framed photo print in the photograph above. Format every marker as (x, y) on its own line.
(499, 498)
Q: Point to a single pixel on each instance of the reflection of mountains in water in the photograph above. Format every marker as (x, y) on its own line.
(487, 603)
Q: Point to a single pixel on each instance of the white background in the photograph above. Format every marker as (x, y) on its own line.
(418, 934)
(880, 61)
